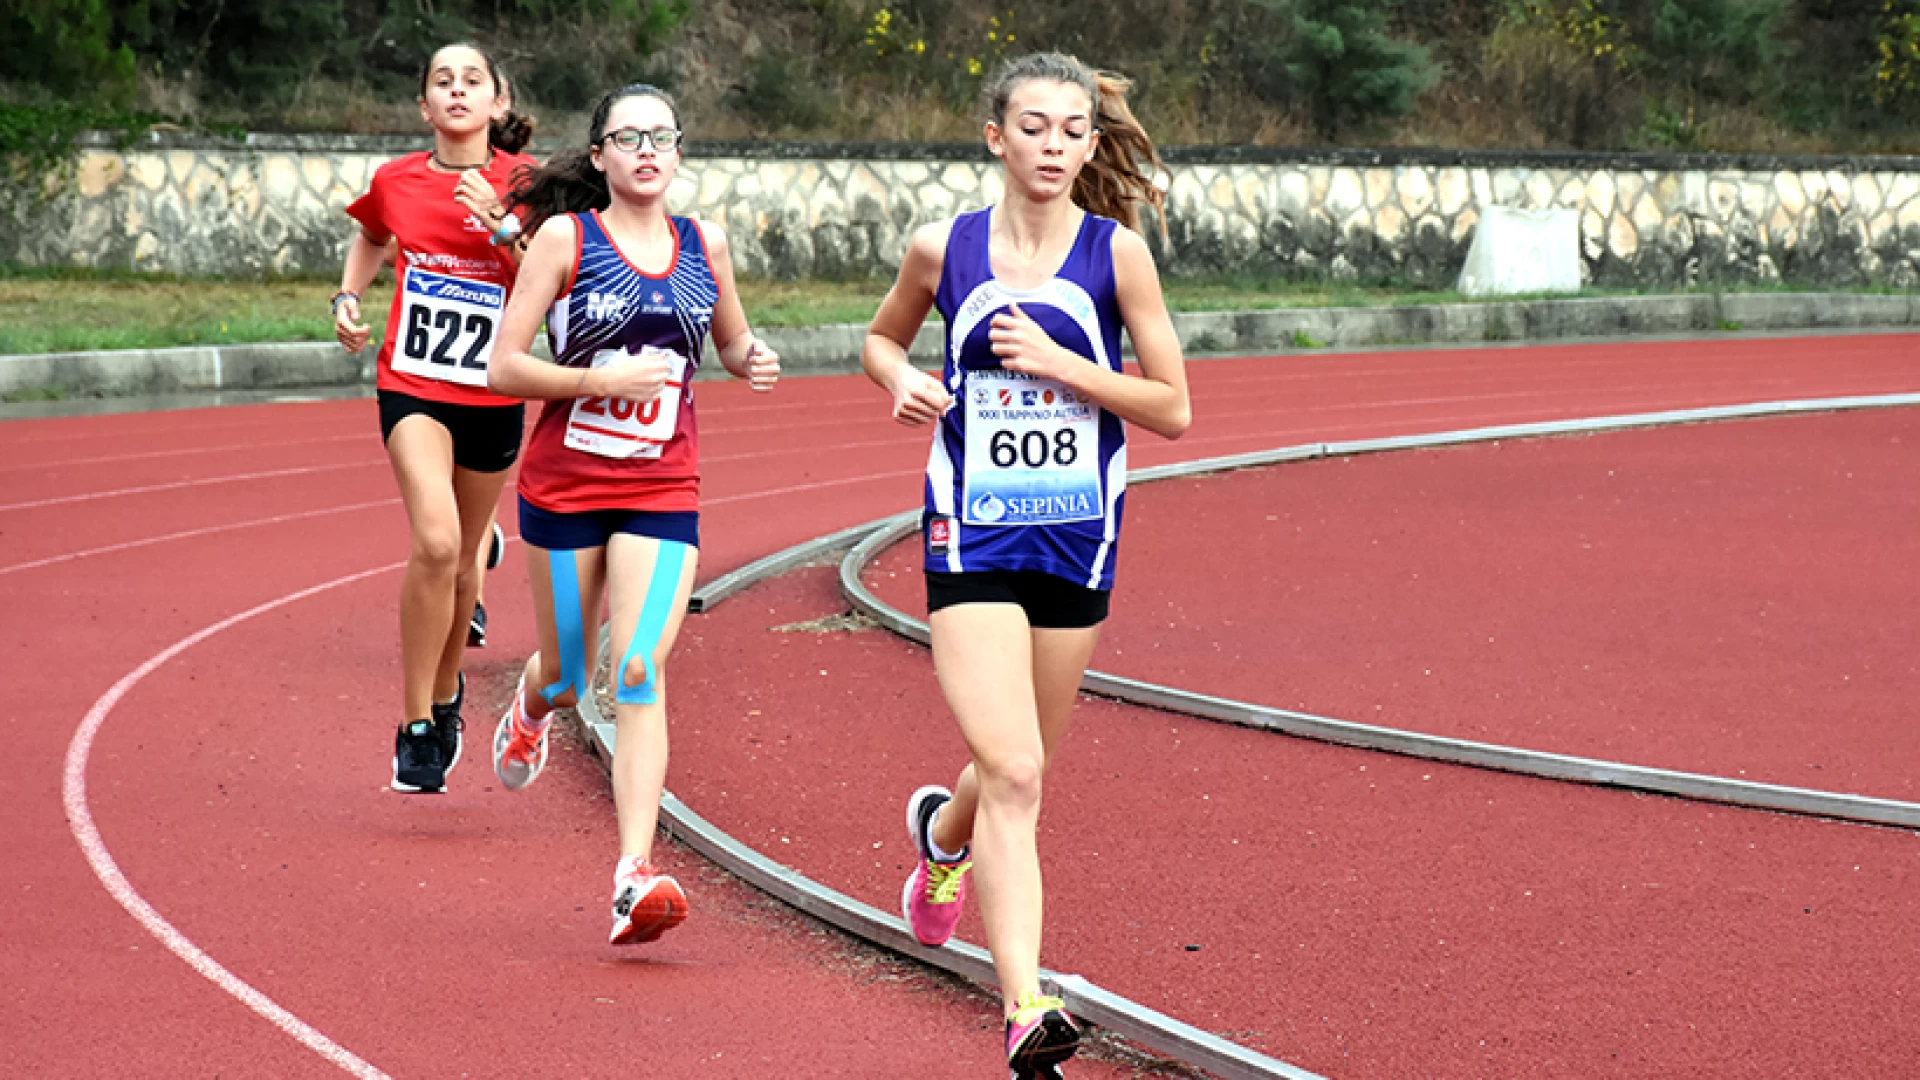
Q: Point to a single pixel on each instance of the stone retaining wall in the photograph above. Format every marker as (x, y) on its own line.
(275, 204)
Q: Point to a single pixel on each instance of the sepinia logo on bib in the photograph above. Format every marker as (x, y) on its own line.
(988, 508)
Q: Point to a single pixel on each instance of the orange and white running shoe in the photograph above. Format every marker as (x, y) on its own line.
(519, 753)
(646, 904)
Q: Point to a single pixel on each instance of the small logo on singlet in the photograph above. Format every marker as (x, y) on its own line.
(604, 306)
(656, 305)
(989, 509)
(939, 535)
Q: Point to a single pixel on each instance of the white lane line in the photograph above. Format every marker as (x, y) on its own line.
(80, 820)
(797, 488)
(190, 533)
(177, 485)
(63, 463)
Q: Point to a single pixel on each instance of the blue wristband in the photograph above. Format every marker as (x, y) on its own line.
(508, 232)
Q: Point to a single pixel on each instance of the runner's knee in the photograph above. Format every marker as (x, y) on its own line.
(1014, 779)
(437, 550)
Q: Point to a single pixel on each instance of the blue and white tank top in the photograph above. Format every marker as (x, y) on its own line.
(1024, 473)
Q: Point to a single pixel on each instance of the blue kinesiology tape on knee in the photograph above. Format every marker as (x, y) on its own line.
(570, 624)
(654, 613)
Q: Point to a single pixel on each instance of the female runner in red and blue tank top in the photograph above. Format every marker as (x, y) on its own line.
(610, 484)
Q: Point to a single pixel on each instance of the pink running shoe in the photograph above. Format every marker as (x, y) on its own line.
(646, 904)
(936, 892)
(1040, 1035)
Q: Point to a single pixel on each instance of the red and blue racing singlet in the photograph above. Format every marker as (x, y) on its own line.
(598, 453)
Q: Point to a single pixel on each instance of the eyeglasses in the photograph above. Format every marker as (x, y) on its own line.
(629, 139)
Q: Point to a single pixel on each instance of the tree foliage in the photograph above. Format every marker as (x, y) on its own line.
(1347, 67)
(1705, 74)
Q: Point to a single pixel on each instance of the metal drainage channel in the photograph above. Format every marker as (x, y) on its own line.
(1138, 1023)
(1719, 789)
(1085, 1000)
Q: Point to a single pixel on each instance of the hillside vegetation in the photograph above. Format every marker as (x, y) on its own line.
(1697, 75)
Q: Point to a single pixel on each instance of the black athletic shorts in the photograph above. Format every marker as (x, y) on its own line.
(486, 438)
(1051, 603)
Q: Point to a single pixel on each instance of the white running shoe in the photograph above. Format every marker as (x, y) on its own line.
(519, 753)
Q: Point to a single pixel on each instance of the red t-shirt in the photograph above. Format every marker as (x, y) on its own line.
(453, 283)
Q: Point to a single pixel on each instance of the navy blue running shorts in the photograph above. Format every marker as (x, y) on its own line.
(552, 531)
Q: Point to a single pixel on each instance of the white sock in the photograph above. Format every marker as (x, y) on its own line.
(525, 719)
(941, 854)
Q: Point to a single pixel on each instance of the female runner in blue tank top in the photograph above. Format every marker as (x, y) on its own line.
(1024, 484)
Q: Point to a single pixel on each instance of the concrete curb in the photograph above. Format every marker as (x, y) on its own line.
(122, 372)
(835, 350)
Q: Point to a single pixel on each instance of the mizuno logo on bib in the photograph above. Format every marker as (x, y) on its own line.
(1033, 452)
(618, 428)
(447, 327)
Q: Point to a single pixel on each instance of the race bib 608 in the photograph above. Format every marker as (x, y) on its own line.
(1033, 452)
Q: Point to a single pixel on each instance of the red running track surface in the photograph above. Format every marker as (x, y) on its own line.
(239, 785)
(1357, 914)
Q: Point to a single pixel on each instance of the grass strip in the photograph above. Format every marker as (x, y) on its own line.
(67, 310)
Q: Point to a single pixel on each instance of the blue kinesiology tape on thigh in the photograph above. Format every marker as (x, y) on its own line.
(654, 613)
(569, 623)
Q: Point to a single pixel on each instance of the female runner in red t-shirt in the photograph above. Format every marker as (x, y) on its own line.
(610, 488)
(451, 440)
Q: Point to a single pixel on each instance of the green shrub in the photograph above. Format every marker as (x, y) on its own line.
(1343, 64)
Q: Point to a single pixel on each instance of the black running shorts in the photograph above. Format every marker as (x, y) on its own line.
(1051, 603)
(486, 438)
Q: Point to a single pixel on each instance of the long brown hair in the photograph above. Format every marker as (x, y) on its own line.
(568, 183)
(1118, 178)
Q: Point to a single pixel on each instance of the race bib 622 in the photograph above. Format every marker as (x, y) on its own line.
(447, 327)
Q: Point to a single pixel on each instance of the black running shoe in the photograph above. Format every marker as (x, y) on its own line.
(419, 763)
(477, 627)
(498, 550)
(448, 724)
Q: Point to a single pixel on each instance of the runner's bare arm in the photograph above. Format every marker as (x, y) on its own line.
(364, 256)
(1156, 399)
(742, 352)
(516, 372)
(918, 398)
